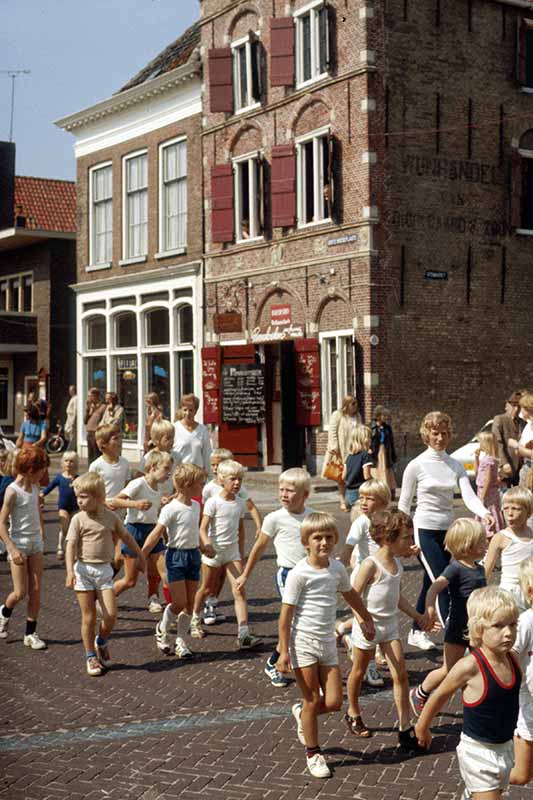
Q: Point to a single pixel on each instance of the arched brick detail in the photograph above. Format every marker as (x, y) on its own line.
(246, 140)
(331, 299)
(278, 294)
(314, 113)
(246, 20)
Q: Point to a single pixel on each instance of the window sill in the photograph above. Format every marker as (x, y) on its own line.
(526, 89)
(304, 225)
(6, 313)
(311, 81)
(245, 109)
(125, 262)
(169, 253)
(97, 267)
(524, 231)
(250, 240)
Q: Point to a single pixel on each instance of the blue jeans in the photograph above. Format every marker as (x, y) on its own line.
(434, 559)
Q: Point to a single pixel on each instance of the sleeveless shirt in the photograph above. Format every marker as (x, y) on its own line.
(493, 717)
(383, 595)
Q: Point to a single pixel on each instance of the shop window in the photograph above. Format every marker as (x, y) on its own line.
(120, 301)
(97, 373)
(173, 196)
(248, 173)
(127, 389)
(184, 328)
(246, 73)
(94, 304)
(96, 333)
(136, 205)
(184, 373)
(338, 371)
(314, 187)
(16, 293)
(126, 330)
(157, 372)
(101, 215)
(154, 297)
(157, 327)
(312, 43)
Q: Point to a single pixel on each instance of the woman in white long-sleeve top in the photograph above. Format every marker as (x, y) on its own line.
(191, 440)
(434, 476)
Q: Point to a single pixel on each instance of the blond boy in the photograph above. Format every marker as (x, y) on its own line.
(113, 468)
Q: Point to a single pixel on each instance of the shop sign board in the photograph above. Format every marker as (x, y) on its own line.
(228, 322)
(211, 384)
(243, 393)
(276, 334)
(281, 315)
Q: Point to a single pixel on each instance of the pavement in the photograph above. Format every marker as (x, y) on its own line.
(155, 727)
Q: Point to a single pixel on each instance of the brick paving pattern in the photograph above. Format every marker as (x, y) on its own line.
(154, 727)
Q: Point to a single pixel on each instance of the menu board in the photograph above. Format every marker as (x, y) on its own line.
(211, 384)
(243, 393)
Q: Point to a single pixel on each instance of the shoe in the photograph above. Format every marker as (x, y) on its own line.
(161, 640)
(372, 676)
(94, 668)
(219, 617)
(34, 641)
(196, 630)
(348, 643)
(417, 703)
(4, 624)
(210, 615)
(357, 726)
(297, 714)
(181, 650)
(421, 640)
(60, 555)
(379, 658)
(277, 679)
(317, 766)
(154, 606)
(409, 743)
(248, 641)
(102, 654)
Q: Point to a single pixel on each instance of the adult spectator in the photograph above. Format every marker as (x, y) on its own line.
(94, 411)
(71, 421)
(506, 426)
(434, 476)
(341, 426)
(191, 440)
(382, 448)
(154, 413)
(33, 430)
(524, 446)
(114, 413)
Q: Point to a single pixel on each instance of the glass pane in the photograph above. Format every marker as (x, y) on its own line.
(349, 365)
(256, 81)
(27, 294)
(96, 373)
(244, 188)
(322, 40)
(157, 367)
(151, 298)
(96, 334)
(325, 211)
(309, 200)
(157, 328)
(333, 372)
(14, 299)
(185, 373)
(3, 296)
(123, 301)
(182, 159)
(305, 30)
(126, 381)
(170, 163)
(126, 330)
(185, 325)
(4, 392)
(243, 81)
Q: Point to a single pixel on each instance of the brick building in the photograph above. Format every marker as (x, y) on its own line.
(368, 185)
(37, 264)
(139, 200)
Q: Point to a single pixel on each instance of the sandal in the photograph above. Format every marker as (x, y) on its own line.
(357, 726)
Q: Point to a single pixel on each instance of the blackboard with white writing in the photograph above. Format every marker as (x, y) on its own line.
(243, 393)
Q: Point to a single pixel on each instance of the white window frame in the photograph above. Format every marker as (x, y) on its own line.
(247, 103)
(254, 164)
(20, 276)
(92, 228)
(329, 403)
(9, 419)
(318, 185)
(164, 249)
(311, 9)
(127, 256)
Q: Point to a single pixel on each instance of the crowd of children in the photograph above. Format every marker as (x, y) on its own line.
(189, 536)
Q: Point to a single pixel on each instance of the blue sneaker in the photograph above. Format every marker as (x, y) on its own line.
(277, 679)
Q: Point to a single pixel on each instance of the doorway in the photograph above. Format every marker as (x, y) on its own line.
(284, 438)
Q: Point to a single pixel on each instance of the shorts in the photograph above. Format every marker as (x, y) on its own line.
(183, 565)
(485, 767)
(27, 545)
(524, 725)
(386, 631)
(223, 555)
(280, 578)
(140, 531)
(92, 577)
(304, 651)
(455, 632)
(70, 508)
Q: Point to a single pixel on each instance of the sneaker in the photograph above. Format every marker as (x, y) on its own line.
(4, 624)
(417, 703)
(94, 668)
(60, 555)
(181, 649)
(421, 640)
(196, 630)
(154, 606)
(277, 679)
(210, 615)
(102, 654)
(297, 714)
(379, 658)
(34, 641)
(161, 640)
(372, 676)
(409, 743)
(317, 766)
(348, 643)
(248, 641)
(219, 617)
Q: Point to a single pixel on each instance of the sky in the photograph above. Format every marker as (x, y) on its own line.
(79, 52)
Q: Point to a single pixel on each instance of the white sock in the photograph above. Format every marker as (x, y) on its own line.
(184, 620)
(168, 619)
(212, 601)
(196, 617)
(243, 630)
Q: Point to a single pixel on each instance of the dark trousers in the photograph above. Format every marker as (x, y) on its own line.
(92, 449)
(434, 559)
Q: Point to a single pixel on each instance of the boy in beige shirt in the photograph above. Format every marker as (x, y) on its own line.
(90, 548)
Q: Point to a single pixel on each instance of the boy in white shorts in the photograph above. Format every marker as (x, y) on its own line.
(222, 530)
(90, 548)
(522, 771)
(307, 631)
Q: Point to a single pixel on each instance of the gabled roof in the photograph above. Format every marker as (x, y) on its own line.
(46, 204)
(175, 55)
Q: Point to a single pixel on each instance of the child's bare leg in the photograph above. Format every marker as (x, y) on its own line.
(209, 575)
(153, 575)
(158, 560)
(522, 772)
(64, 521)
(131, 574)
(233, 571)
(360, 660)
(35, 566)
(495, 794)
(19, 578)
(191, 588)
(308, 680)
(400, 682)
(108, 604)
(87, 603)
(331, 683)
(452, 654)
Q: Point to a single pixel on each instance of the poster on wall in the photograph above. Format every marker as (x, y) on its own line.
(243, 393)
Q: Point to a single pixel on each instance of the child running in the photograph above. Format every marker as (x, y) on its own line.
(467, 542)
(522, 771)
(514, 543)
(307, 631)
(487, 481)
(283, 527)
(24, 541)
(66, 502)
(489, 678)
(222, 529)
(89, 555)
(380, 577)
(358, 465)
(7, 476)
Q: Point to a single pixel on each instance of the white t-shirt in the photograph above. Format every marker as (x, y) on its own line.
(182, 523)
(115, 476)
(24, 518)
(138, 489)
(526, 437)
(225, 517)
(193, 447)
(314, 593)
(167, 487)
(212, 489)
(524, 647)
(284, 528)
(359, 538)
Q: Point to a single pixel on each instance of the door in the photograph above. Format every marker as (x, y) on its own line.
(242, 440)
(273, 403)
(292, 435)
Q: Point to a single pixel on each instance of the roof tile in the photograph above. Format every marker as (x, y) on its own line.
(47, 204)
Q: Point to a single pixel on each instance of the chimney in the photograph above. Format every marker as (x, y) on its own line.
(7, 184)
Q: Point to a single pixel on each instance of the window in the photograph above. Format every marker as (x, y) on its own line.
(173, 196)
(184, 373)
(101, 214)
(16, 293)
(127, 388)
(126, 329)
(96, 333)
(338, 370)
(314, 178)
(524, 53)
(157, 327)
(522, 184)
(136, 206)
(97, 373)
(157, 371)
(312, 43)
(246, 73)
(6, 392)
(248, 197)
(184, 327)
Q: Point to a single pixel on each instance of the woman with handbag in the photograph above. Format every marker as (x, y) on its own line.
(341, 427)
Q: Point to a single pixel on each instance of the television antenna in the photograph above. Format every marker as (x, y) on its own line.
(13, 74)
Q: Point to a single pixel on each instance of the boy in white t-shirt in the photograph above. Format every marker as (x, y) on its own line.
(307, 631)
(283, 528)
(222, 532)
(114, 469)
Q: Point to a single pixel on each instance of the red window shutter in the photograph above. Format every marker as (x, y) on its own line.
(516, 189)
(307, 357)
(283, 176)
(282, 51)
(220, 79)
(222, 213)
(211, 384)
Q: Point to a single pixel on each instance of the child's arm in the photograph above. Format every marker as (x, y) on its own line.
(241, 538)
(495, 547)
(153, 537)
(436, 588)
(346, 554)
(130, 543)
(260, 545)
(205, 542)
(9, 501)
(363, 617)
(344, 471)
(70, 552)
(283, 663)
(367, 471)
(255, 515)
(54, 483)
(124, 501)
(457, 678)
(422, 620)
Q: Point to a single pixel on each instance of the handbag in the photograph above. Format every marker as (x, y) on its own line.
(334, 467)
